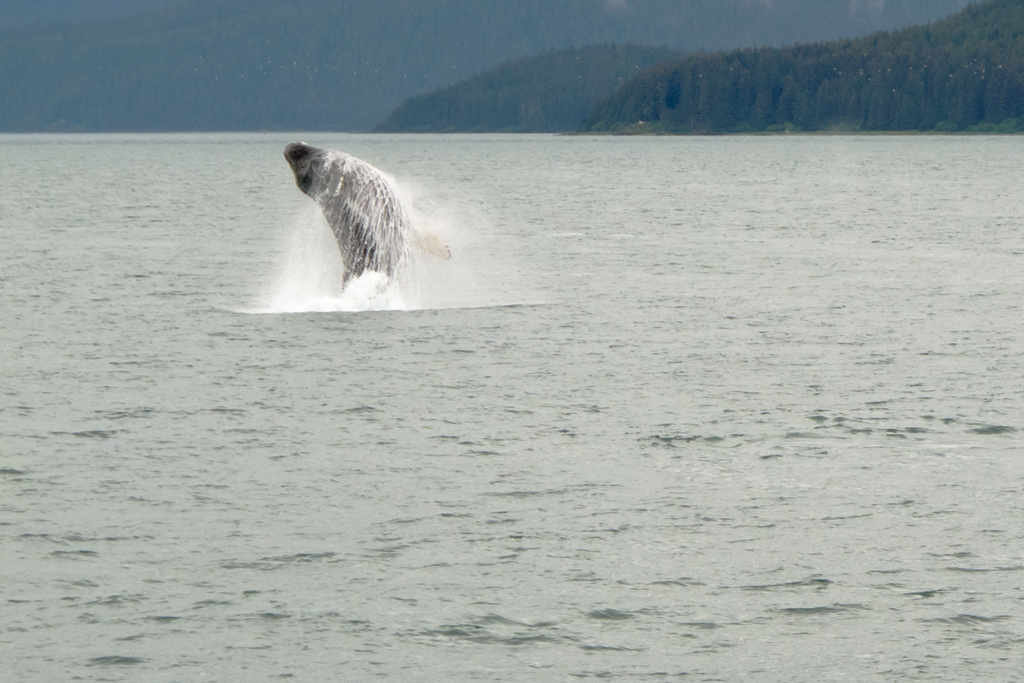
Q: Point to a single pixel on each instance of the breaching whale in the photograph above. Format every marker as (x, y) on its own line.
(369, 224)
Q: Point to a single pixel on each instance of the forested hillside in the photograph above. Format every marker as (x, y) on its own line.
(548, 93)
(345, 64)
(962, 73)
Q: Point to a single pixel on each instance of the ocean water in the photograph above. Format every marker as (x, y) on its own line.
(697, 409)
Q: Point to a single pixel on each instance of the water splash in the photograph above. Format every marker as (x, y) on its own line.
(311, 278)
(311, 275)
(371, 291)
(484, 270)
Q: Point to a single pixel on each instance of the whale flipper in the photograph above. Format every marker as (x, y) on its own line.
(433, 244)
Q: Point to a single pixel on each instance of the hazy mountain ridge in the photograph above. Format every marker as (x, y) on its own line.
(547, 93)
(965, 72)
(344, 65)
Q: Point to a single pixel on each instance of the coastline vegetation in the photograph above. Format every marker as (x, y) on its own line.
(964, 74)
(549, 93)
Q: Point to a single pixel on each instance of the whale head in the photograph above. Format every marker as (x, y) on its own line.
(302, 158)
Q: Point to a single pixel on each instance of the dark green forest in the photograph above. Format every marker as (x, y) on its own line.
(964, 73)
(345, 64)
(548, 93)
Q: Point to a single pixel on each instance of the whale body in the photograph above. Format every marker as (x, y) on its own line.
(369, 224)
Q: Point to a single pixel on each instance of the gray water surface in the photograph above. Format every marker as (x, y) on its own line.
(701, 409)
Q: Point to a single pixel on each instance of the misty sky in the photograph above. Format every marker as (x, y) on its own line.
(17, 13)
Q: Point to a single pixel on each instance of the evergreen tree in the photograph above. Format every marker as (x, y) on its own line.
(963, 73)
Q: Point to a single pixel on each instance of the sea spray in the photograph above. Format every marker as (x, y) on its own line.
(477, 274)
(312, 275)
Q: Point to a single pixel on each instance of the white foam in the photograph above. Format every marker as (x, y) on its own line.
(311, 276)
(371, 291)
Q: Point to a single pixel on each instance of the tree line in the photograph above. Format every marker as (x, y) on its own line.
(548, 93)
(962, 73)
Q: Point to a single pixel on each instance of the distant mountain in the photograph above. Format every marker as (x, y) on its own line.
(345, 64)
(19, 13)
(965, 72)
(548, 93)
